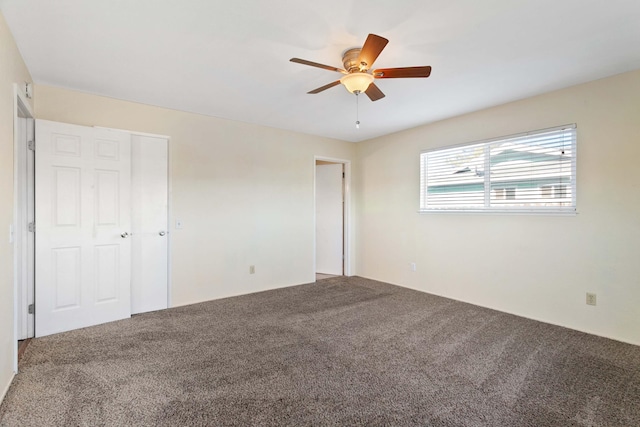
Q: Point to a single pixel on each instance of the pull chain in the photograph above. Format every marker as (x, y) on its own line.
(357, 112)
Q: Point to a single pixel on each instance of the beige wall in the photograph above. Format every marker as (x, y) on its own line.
(12, 70)
(535, 266)
(243, 192)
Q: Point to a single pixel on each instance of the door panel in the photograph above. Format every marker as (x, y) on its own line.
(83, 199)
(66, 197)
(67, 273)
(329, 219)
(149, 275)
(107, 267)
(107, 198)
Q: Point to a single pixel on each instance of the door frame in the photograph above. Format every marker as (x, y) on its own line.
(21, 106)
(346, 223)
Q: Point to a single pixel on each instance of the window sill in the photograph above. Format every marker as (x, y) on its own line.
(547, 212)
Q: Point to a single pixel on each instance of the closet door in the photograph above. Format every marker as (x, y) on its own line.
(149, 221)
(83, 245)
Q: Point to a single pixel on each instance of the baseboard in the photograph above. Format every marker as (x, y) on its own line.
(6, 388)
(507, 312)
(233, 295)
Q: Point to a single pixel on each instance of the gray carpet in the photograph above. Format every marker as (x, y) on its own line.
(343, 351)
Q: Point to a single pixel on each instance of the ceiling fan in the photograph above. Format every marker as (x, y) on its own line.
(358, 76)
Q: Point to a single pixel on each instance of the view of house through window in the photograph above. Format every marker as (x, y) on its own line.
(531, 172)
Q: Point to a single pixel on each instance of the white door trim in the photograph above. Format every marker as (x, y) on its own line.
(20, 106)
(347, 262)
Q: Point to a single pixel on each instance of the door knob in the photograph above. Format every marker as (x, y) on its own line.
(124, 235)
(162, 233)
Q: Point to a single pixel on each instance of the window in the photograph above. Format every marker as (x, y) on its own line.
(528, 173)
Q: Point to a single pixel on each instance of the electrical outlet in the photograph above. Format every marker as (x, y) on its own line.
(591, 298)
(252, 269)
(412, 266)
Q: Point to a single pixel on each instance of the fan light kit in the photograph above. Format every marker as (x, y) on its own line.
(358, 77)
(357, 82)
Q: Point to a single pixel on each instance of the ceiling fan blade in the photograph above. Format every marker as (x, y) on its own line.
(315, 64)
(397, 73)
(371, 49)
(325, 87)
(373, 92)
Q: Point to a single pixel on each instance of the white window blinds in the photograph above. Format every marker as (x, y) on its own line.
(529, 173)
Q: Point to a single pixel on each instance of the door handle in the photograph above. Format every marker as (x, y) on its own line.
(162, 233)
(124, 235)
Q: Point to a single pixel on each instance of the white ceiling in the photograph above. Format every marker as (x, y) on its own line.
(230, 59)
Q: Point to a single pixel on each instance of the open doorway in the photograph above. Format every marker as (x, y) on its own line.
(331, 211)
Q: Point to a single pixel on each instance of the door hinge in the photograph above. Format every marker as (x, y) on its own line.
(343, 175)
(32, 227)
(31, 309)
(31, 145)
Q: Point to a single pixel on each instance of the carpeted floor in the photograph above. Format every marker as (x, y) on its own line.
(342, 351)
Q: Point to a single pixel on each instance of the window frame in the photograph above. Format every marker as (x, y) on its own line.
(512, 210)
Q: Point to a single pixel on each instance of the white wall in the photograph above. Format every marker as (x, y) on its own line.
(243, 192)
(12, 70)
(535, 266)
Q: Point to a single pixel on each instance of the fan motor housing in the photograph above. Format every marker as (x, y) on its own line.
(350, 61)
